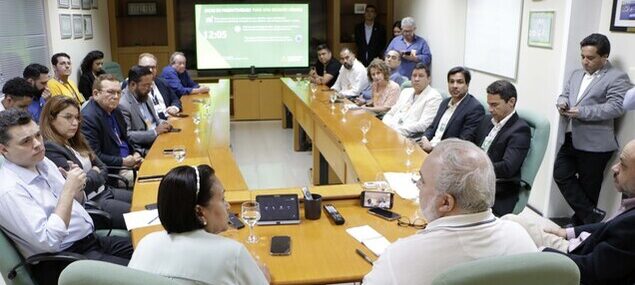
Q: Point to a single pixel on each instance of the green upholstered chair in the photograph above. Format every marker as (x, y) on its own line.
(114, 69)
(406, 84)
(542, 268)
(12, 263)
(539, 139)
(103, 273)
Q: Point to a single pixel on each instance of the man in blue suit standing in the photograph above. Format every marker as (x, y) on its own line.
(458, 116)
(590, 102)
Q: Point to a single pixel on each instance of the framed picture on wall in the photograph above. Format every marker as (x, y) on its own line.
(95, 4)
(623, 16)
(88, 27)
(63, 3)
(66, 26)
(87, 4)
(76, 4)
(540, 29)
(359, 8)
(78, 26)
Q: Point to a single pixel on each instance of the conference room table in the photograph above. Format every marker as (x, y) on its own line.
(321, 252)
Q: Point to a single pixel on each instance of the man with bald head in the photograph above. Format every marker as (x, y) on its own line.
(456, 192)
(177, 77)
(604, 252)
(352, 79)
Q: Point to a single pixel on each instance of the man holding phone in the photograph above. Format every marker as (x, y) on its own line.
(589, 104)
(413, 48)
(456, 191)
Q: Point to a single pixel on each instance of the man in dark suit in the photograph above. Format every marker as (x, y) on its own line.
(590, 102)
(506, 138)
(605, 251)
(370, 37)
(458, 116)
(104, 127)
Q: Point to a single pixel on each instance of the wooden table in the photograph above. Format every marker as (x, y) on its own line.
(321, 251)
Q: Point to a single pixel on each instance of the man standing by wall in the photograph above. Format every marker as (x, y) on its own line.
(590, 102)
(413, 48)
(370, 37)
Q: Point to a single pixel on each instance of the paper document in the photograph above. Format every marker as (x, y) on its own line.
(352, 106)
(402, 184)
(140, 219)
(369, 237)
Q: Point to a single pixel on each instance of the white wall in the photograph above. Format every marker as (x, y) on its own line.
(78, 48)
(541, 71)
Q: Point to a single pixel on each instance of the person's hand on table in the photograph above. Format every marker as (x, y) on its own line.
(163, 127)
(202, 89)
(172, 110)
(425, 144)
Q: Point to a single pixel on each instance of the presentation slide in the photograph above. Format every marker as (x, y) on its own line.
(241, 35)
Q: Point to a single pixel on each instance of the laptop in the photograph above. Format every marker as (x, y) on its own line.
(281, 209)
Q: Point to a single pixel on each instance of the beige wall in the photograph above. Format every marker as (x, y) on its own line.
(78, 48)
(541, 71)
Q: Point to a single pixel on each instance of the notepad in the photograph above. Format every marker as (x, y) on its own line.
(140, 219)
(369, 237)
(402, 184)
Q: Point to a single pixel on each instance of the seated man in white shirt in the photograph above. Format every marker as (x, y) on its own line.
(456, 192)
(417, 106)
(352, 79)
(40, 210)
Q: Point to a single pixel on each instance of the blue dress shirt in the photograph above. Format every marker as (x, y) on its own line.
(27, 204)
(181, 83)
(35, 108)
(419, 44)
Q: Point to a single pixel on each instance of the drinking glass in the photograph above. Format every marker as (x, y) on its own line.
(313, 88)
(410, 148)
(298, 77)
(178, 152)
(333, 98)
(250, 213)
(196, 119)
(364, 127)
(344, 109)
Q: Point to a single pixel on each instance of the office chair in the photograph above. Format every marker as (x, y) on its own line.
(540, 127)
(521, 269)
(114, 69)
(103, 273)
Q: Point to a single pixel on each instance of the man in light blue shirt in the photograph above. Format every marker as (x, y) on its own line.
(40, 210)
(413, 48)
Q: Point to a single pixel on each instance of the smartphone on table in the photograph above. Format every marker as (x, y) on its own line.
(280, 245)
(384, 214)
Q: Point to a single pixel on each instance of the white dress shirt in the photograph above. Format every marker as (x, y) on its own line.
(445, 119)
(351, 82)
(487, 142)
(27, 204)
(196, 257)
(413, 113)
(445, 242)
(157, 100)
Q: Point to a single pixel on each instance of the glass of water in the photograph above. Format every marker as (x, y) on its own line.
(196, 119)
(333, 98)
(410, 148)
(314, 88)
(344, 109)
(250, 213)
(364, 127)
(298, 77)
(179, 153)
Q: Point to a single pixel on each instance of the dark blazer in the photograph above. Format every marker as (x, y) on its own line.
(366, 52)
(169, 97)
(100, 136)
(464, 121)
(60, 155)
(507, 152)
(608, 255)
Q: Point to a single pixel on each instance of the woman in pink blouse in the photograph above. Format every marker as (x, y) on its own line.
(385, 92)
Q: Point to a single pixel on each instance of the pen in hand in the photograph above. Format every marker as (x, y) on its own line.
(364, 256)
